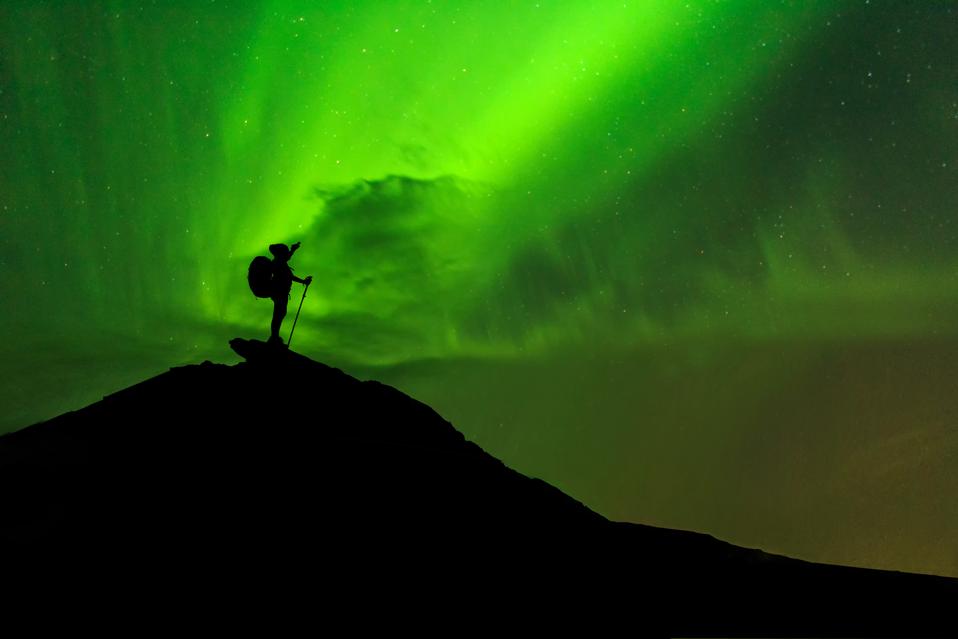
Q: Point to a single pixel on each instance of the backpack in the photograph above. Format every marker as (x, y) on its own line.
(260, 276)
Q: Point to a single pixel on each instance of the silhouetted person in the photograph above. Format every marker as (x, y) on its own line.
(283, 279)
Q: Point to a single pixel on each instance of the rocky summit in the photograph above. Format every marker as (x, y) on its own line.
(281, 470)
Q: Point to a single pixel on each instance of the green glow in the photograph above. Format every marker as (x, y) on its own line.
(612, 207)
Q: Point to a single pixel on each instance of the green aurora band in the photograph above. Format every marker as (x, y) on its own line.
(695, 263)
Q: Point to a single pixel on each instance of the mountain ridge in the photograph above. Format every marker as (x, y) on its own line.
(283, 461)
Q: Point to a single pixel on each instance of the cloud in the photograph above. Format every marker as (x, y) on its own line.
(390, 258)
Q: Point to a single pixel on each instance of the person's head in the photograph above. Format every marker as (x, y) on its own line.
(279, 251)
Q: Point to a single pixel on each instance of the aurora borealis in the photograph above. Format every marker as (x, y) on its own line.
(695, 263)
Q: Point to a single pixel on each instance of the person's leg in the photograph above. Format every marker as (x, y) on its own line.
(279, 312)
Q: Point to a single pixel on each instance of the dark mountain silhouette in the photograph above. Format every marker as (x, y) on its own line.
(281, 475)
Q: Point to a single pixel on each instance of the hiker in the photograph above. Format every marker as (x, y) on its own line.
(282, 281)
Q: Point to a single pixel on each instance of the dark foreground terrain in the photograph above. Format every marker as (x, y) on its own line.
(284, 487)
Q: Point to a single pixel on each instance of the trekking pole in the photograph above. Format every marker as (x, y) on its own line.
(290, 340)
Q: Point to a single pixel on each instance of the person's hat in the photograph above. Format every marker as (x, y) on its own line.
(279, 250)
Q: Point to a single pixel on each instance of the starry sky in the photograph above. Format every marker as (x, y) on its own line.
(695, 263)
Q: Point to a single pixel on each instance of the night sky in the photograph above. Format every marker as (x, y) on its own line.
(695, 263)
